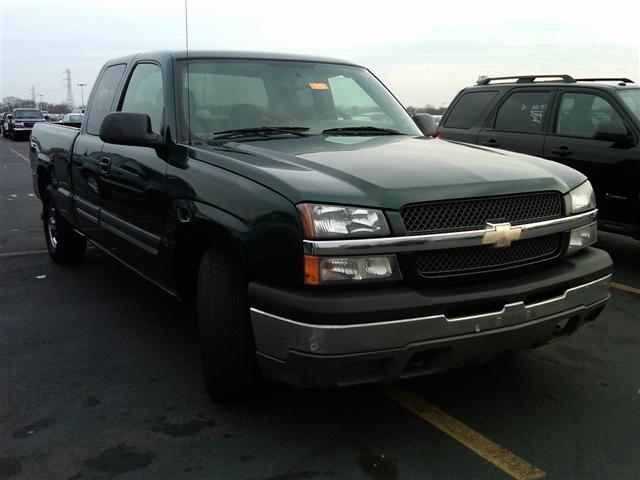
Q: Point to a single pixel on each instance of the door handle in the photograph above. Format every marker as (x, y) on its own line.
(562, 151)
(105, 165)
(491, 143)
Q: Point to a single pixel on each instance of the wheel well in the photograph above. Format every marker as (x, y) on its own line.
(191, 243)
(44, 179)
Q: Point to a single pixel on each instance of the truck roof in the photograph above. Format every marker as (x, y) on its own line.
(226, 54)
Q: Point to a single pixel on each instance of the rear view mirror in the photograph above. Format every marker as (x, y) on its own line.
(612, 132)
(426, 123)
(125, 128)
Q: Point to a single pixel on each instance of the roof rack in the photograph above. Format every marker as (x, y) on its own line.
(526, 78)
(625, 80)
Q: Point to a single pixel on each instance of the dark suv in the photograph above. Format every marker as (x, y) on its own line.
(590, 124)
(22, 121)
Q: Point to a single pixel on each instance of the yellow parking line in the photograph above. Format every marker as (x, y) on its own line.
(626, 288)
(20, 254)
(496, 454)
(21, 156)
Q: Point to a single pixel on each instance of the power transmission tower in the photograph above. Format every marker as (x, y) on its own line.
(67, 79)
(33, 96)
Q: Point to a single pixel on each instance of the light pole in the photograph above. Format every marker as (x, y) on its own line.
(41, 95)
(82, 85)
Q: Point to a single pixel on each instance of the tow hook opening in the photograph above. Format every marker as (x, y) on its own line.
(565, 327)
(425, 362)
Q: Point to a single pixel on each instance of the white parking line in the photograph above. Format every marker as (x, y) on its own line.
(20, 254)
(15, 152)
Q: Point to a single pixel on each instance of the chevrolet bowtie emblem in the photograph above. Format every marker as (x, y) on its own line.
(500, 235)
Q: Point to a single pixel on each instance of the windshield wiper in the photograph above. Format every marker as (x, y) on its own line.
(361, 130)
(259, 132)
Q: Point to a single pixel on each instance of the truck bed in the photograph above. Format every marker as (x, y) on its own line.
(48, 139)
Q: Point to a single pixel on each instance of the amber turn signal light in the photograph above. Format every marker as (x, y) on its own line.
(311, 275)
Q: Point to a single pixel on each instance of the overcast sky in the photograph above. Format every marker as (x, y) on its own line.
(423, 51)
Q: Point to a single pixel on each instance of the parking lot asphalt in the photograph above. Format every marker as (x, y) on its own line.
(100, 378)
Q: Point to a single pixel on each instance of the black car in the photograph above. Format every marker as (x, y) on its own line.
(590, 124)
(22, 121)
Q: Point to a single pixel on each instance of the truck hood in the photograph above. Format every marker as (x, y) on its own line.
(386, 171)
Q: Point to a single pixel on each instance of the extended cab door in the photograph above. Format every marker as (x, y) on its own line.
(580, 138)
(85, 164)
(132, 180)
(519, 122)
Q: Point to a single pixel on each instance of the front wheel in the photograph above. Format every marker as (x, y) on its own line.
(65, 245)
(226, 341)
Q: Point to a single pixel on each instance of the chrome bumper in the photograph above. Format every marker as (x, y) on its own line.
(276, 336)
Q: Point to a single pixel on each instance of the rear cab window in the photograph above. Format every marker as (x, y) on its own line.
(523, 112)
(466, 111)
(103, 96)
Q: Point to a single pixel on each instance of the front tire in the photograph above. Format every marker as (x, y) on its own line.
(65, 245)
(226, 341)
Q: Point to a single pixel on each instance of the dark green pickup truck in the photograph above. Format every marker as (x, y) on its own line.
(323, 237)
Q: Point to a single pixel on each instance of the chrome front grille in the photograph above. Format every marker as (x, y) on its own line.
(472, 214)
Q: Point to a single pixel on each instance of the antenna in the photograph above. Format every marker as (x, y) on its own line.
(186, 34)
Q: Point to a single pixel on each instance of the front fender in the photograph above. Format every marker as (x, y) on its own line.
(260, 224)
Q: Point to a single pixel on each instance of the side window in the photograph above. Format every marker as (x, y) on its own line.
(583, 114)
(105, 91)
(523, 112)
(144, 93)
(467, 110)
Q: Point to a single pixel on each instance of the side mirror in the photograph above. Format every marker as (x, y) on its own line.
(612, 132)
(426, 123)
(125, 128)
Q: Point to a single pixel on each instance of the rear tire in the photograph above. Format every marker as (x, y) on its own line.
(226, 340)
(65, 245)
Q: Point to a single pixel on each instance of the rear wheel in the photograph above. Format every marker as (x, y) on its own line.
(226, 341)
(65, 245)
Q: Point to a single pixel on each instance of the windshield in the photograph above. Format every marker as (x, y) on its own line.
(24, 113)
(632, 98)
(75, 118)
(223, 95)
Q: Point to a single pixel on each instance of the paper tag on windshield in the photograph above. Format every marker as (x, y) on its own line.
(318, 86)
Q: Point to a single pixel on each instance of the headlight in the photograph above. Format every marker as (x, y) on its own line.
(330, 270)
(330, 221)
(19, 124)
(582, 198)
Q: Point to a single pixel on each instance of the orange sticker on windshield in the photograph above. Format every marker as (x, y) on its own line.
(318, 86)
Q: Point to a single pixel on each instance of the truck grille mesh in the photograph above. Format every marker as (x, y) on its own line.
(484, 258)
(472, 214)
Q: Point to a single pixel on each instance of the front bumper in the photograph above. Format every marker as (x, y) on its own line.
(22, 130)
(355, 339)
